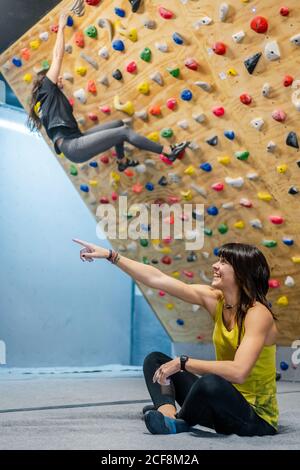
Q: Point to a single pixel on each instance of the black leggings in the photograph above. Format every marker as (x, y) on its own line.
(100, 138)
(210, 400)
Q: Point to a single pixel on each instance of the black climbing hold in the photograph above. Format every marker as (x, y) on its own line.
(252, 62)
(163, 181)
(213, 140)
(298, 163)
(154, 261)
(192, 257)
(293, 190)
(117, 74)
(292, 140)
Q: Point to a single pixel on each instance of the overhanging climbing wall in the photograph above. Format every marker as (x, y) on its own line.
(209, 72)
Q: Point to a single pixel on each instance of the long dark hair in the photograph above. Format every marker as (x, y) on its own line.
(34, 122)
(252, 274)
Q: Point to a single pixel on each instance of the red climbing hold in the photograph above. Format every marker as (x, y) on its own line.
(161, 293)
(93, 117)
(276, 219)
(79, 39)
(288, 80)
(173, 199)
(259, 24)
(191, 64)
(93, 3)
(54, 28)
(218, 186)
(245, 98)
(284, 11)
(104, 159)
(166, 14)
(104, 200)
(274, 283)
(165, 160)
(131, 67)
(219, 48)
(114, 196)
(166, 259)
(218, 111)
(71, 101)
(105, 109)
(172, 103)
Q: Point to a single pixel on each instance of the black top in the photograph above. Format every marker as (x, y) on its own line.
(56, 113)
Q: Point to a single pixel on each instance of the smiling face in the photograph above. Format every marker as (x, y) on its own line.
(223, 275)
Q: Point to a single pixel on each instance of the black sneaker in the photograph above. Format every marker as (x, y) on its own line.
(122, 165)
(148, 408)
(133, 162)
(177, 149)
(135, 5)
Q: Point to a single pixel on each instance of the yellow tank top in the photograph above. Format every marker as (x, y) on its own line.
(259, 389)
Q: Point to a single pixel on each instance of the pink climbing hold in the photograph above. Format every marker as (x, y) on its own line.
(71, 101)
(288, 80)
(259, 24)
(54, 28)
(173, 199)
(218, 186)
(188, 274)
(104, 159)
(93, 117)
(191, 64)
(279, 115)
(167, 240)
(114, 196)
(218, 111)
(274, 283)
(172, 103)
(284, 11)
(131, 67)
(166, 14)
(161, 293)
(245, 98)
(137, 188)
(105, 109)
(219, 48)
(276, 219)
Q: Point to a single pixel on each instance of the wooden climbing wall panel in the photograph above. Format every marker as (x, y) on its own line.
(239, 164)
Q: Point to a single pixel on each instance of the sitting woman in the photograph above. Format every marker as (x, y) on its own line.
(236, 393)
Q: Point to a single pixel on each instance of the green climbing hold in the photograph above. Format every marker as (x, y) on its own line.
(208, 232)
(269, 243)
(242, 155)
(45, 64)
(145, 260)
(144, 242)
(223, 228)
(73, 170)
(167, 132)
(174, 72)
(146, 54)
(91, 32)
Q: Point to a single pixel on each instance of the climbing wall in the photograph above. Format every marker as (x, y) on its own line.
(224, 76)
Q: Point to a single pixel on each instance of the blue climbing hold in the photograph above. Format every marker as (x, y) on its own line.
(120, 12)
(84, 188)
(212, 210)
(118, 45)
(70, 21)
(17, 61)
(284, 365)
(186, 95)
(205, 166)
(178, 39)
(149, 186)
(288, 241)
(93, 164)
(216, 251)
(229, 134)
(180, 322)
(146, 228)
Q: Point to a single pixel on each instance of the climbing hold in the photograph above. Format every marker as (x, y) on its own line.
(223, 11)
(240, 224)
(172, 103)
(271, 146)
(154, 136)
(266, 89)
(206, 167)
(184, 124)
(190, 170)
(103, 80)
(54, 28)
(187, 195)
(274, 283)
(157, 77)
(143, 88)
(219, 48)
(191, 257)
(174, 72)
(27, 77)
(79, 39)
(68, 76)
(84, 188)
(146, 54)
(137, 188)
(256, 223)
(34, 45)
(120, 12)
(208, 232)
(93, 117)
(269, 243)
(217, 187)
(186, 95)
(229, 134)
(287, 80)
(223, 228)
(155, 110)
(73, 170)
(17, 61)
(127, 107)
(252, 62)
(142, 114)
(296, 259)
(162, 46)
(199, 117)
(150, 24)
(252, 176)
(284, 11)
(205, 21)
(204, 85)
(103, 52)
(292, 140)
(44, 36)
(81, 71)
(91, 86)
(117, 74)
(264, 196)
(289, 281)
(106, 24)
(259, 24)
(295, 39)
(242, 155)
(118, 45)
(93, 164)
(276, 219)
(238, 37)
(293, 190)
(164, 13)
(131, 67)
(163, 181)
(191, 64)
(234, 182)
(232, 72)
(91, 32)
(245, 202)
(257, 123)
(167, 133)
(180, 322)
(218, 111)
(80, 95)
(282, 168)
(288, 241)
(105, 109)
(25, 53)
(224, 160)
(283, 365)
(178, 39)
(283, 302)
(279, 115)
(272, 51)
(92, 3)
(70, 21)
(212, 210)
(213, 140)
(245, 98)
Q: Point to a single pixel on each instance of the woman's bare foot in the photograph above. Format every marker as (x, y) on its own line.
(168, 410)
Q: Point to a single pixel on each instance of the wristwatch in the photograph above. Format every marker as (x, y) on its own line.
(183, 361)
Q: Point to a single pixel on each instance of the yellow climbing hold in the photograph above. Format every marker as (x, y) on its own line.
(115, 176)
(170, 306)
(34, 45)
(232, 72)
(154, 136)
(296, 259)
(190, 170)
(282, 168)
(166, 250)
(93, 183)
(81, 71)
(132, 35)
(27, 77)
(264, 196)
(143, 88)
(127, 108)
(239, 224)
(37, 108)
(155, 241)
(283, 301)
(224, 160)
(187, 195)
(176, 274)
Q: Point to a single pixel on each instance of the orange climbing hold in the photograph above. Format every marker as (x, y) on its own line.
(91, 86)
(79, 39)
(155, 110)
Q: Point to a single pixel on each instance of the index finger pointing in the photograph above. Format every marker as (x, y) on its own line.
(81, 242)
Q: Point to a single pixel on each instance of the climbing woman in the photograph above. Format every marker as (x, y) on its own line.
(236, 393)
(50, 108)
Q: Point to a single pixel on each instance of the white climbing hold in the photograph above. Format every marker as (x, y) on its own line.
(193, 145)
(235, 182)
(89, 60)
(245, 202)
(106, 24)
(266, 89)
(103, 52)
(143, 115)
(296, 99)
(228, 205)
(7, 65)
(80, 95)
(271, 147)
(256, 223)
(289, 281)
(68, 76)
(44, 36)
(162, 46)
(223, 11)
(103, 80)
(204, 277)
(68, 48)
(206, 20)
(205, 254)
(184, 124)
(272, 51)
(295, 39)
(204, 85)
(252, 176)
(199, 117)
(199, 190)
(174, 178)
(157, 77)
(195, 308)
(257, 123)
(150, 162)
(239, 36)
(141, 168)
(150, 24)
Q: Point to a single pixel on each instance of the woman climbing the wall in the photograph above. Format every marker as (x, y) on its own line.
(50, 108)
(236, 393)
